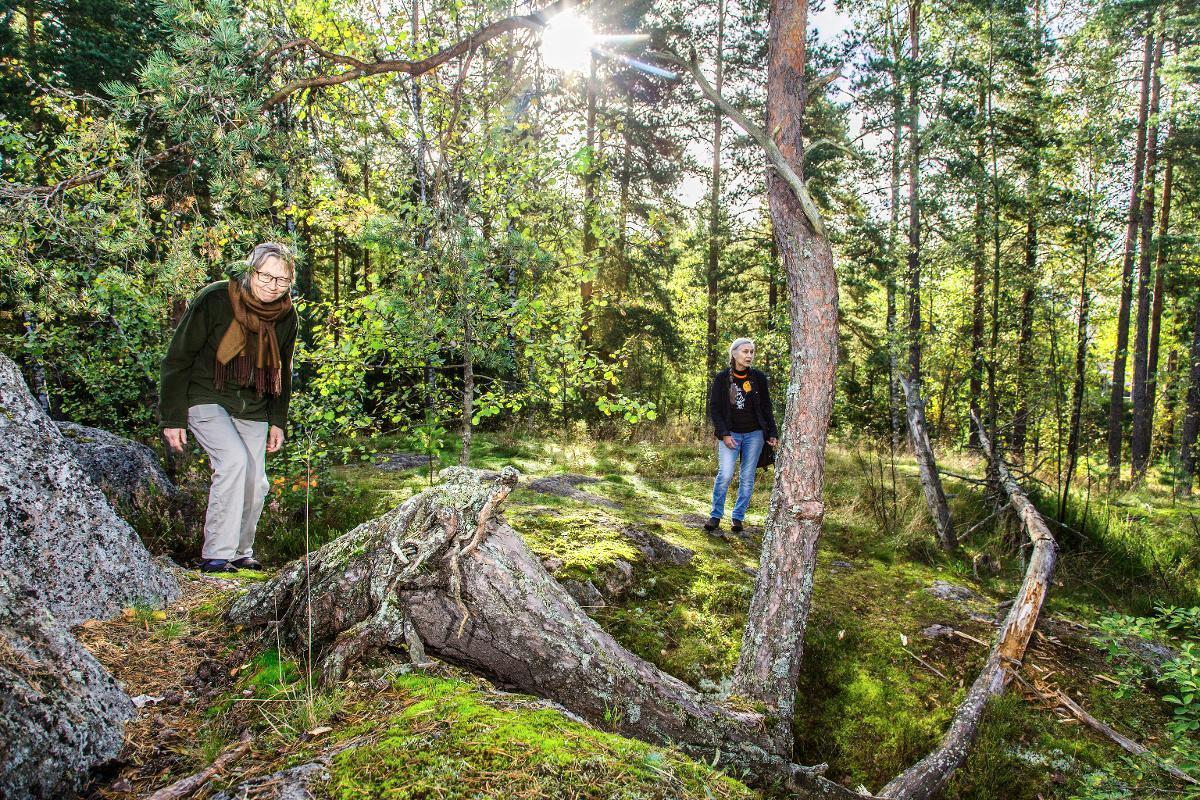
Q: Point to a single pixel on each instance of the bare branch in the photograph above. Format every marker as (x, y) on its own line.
(774, 155)
(361, 69)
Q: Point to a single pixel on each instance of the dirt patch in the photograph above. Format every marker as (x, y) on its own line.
(175, 661)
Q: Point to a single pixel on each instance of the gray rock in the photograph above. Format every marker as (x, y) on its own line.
(617, 579)
(657, 550)
(396, 462)
(950, 591)
(937, 632)
(584, 592)
(552, 564)
(564, 486)
(1151, 655)
(58, 533)
(61, 713)
(841, 565)
(126, 471)
(296, 783)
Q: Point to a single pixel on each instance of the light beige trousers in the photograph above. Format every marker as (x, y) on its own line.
(237, 449)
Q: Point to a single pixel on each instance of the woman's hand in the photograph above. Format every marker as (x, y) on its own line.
(773, 441)
(274, 439)
(176, 438)
(728, 440)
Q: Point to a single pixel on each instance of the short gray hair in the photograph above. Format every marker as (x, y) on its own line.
(261, 253)
(736, 344)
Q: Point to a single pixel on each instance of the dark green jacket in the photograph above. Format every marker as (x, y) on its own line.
(186, 378)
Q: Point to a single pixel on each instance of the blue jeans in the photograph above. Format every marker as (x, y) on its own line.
(749, 446)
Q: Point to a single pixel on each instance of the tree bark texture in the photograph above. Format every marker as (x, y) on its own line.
(1191, 413)
(773, 641)
(895, 41)
(1160, 265)
(978, 275)
(931, 482)
(1116, 406)
(589, 212)
(1079, 387)
(929, 776)
(914, 195)
(1139, 448)
(713, 271)
(935, 497)
(1025, 337)
(443, 574)
(468, 393)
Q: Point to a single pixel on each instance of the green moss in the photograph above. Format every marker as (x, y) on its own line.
(866, 705)
(451, 743)
(1024, 754)
(587, 541)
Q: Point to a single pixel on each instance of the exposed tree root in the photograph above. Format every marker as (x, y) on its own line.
(443, 573)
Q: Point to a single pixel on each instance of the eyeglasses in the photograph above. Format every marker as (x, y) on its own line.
(271, 280)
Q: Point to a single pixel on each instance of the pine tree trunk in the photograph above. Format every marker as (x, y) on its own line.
(773, 641)
(1160, 265)
(589, 213)
(712, 273)
(978, 279)
(931, 484)
(468, 391)
(337, 285)
(1170, 395)
(894, 400)
(1139, 448)
(1116, 408)
(1191, 414)
(1025, 339)
(1080, 387)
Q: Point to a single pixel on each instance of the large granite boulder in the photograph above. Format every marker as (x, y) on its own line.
(126, 471)
(58, 534)
(61, 713)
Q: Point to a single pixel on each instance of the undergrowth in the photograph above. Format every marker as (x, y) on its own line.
(875, 695)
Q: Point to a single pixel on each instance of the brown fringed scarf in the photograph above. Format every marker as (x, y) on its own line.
(252, 331)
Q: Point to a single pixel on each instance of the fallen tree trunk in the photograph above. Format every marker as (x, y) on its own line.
(443, 574)
(929, 776)
(931, 483)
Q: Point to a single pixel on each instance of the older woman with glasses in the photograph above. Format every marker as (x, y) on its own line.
(227, 377)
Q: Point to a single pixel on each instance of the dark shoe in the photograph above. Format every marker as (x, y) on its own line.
(246, 563)
(712, 524)
(737, 526)
(217, 565)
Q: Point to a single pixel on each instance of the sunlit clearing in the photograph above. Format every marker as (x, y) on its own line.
(567, 42)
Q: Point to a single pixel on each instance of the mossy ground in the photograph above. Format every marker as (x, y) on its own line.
(874, 697)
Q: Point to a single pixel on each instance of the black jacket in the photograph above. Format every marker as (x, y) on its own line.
(719, 410)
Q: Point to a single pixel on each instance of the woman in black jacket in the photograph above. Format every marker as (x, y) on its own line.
(740, 409)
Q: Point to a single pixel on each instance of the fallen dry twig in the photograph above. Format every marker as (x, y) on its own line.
(1061, 699)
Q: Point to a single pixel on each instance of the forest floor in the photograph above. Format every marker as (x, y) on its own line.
(879, 685)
